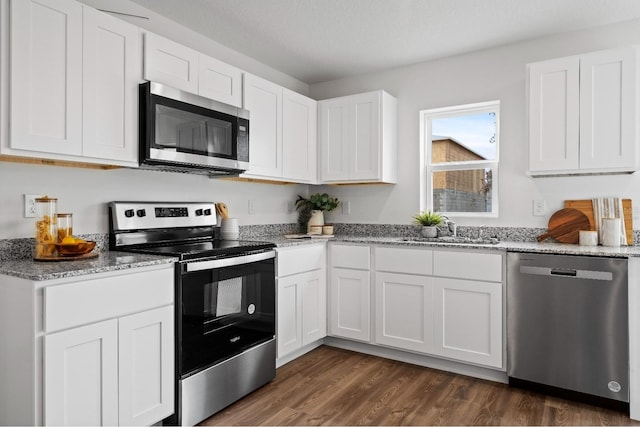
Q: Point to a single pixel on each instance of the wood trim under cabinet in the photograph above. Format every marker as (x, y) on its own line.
(49, 162)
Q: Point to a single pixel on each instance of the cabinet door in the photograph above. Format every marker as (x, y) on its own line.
(111, 73)
(263, 99)
(299, 129)
(146, 366)
(333, 134)
(468, 321)
(350, 302)
(404, 311)
(364, 136)
(314, 306)
(554, 112)
(219, 81)
(170, 63)
(289, 315)
(608, 111)
(46, 76)
(81, 375)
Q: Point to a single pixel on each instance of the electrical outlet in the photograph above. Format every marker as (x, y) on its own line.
(346, 207)
(538, 208)
(290, 206)
(252, 207)
(30, 205)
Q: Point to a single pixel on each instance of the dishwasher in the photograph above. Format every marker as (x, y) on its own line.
(567, 326)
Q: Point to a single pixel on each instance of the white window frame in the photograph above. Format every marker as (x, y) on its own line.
(427, 168)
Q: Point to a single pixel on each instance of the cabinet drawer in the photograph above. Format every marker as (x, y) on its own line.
(92, 300)
(347, 256)
(404, 260)
(468, 265)
(300, 259)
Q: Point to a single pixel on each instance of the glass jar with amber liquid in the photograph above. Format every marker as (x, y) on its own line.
(46, 227)
(65, 226)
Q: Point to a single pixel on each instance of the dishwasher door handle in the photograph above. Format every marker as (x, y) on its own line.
(564, 272)
(568, 273)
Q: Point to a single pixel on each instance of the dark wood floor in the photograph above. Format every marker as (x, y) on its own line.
(330, 386)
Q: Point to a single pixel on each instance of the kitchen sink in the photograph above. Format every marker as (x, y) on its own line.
(454, 239)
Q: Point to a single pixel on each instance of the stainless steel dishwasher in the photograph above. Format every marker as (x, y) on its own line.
(567, 325)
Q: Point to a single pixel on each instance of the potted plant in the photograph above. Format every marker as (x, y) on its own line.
(429, 221)
(312, 209)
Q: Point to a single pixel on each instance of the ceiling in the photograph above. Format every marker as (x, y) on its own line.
(322, 40)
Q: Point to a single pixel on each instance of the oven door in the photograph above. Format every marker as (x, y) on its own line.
(226, 307)
(182, 128)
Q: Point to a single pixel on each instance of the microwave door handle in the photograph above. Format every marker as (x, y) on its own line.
(227, 262)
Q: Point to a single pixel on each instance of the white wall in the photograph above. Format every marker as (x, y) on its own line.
(486, 75)
(86, 192)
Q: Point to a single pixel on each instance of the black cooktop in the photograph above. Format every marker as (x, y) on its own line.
(216, 248)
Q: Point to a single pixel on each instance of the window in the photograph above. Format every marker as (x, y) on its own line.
(460, 159)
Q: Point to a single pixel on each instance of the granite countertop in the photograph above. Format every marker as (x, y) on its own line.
(106, 261)
(113, 260)
(506, 246)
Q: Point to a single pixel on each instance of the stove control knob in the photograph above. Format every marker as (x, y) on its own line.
(207, 211)
(141, 213)
(198, 212)
(129, 213)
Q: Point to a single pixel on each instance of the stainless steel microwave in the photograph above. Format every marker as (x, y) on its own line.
(184, 132)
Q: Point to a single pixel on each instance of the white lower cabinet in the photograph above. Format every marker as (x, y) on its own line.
(468, 321)
(350, 304)
(437, 302)
(88, 350)
(81, 376)
(114, 372)
(302, 300)
(145, 366)
(404, 316)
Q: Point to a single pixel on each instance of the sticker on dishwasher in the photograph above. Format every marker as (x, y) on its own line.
(614, 386)
(251, 309)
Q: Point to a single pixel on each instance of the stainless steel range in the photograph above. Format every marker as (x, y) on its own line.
(224, 299)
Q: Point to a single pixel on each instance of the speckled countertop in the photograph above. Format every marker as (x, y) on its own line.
(532, 247)
(106, 261)
(112, 261)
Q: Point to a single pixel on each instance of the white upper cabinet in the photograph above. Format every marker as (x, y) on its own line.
(358, 138)
(170, 63)
(73, 80)
(583, 113)
(263, 99)
(181, 67)
(46, 76)
(282, 132)
(299, 129)
(219, 81)
(112, 71)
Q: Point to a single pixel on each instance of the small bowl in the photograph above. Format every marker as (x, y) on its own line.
(75, 249)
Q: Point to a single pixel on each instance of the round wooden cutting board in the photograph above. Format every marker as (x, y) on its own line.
(565, 226)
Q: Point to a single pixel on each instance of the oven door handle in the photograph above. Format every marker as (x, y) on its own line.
(227, 262)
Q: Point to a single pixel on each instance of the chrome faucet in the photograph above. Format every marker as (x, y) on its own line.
(451, 226)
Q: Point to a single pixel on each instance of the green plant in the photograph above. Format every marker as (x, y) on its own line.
(428, 219)
(316, 202)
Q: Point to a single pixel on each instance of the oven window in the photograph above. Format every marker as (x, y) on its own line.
(190, 132)
(223, 312)
(225, 300)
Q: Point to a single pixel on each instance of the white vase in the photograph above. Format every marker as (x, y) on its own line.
(429, 231)
(314, 226)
